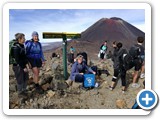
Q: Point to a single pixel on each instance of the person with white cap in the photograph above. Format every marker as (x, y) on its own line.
(35, 57)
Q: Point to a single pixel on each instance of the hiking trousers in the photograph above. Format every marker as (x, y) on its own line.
(21, 77)
(122, 73)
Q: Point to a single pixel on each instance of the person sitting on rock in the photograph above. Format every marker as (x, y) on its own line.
(118, 66)
(79, 68)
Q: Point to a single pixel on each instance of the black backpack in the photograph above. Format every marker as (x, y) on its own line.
(12, 45)
(135, 51)
(127, 61)
(131, 56)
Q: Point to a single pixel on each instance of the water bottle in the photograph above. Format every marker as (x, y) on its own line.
(96, 85)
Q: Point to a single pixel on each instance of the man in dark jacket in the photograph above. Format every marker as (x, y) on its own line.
(19, 68)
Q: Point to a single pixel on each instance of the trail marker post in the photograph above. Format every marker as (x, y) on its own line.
(64, 36)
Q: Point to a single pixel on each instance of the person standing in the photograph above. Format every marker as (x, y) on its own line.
(138, 62)
(103, 50)
(71, 54)
(36, 58)
(118, 66)
(20, 65)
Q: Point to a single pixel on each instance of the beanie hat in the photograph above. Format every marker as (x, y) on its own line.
(34, 33)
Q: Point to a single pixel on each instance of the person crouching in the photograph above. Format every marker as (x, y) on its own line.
(79, 68)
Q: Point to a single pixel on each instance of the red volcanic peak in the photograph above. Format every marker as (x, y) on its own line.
(113, 29)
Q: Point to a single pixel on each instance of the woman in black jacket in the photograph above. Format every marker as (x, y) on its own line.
(118, 66)
(19, 68)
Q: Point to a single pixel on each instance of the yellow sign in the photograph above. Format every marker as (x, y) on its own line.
(51, 35)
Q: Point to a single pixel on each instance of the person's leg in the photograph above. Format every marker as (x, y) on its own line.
(35, 75)
(19, 74)
(79, 78)
(36, 80)
(142, 71)
(123, 78)
(26, 78)
(19, 77)
(136, 74)
(114, 79)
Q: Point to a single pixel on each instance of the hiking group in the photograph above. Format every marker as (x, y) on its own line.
(28, 55)
(25, 55)
(123, 61)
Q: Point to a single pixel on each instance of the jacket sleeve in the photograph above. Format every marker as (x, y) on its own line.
(27, 46)
(73, 71)
(41, 53)
(101, 47)
(16, 53)
(89, 69)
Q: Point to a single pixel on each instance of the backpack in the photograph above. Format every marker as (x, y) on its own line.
(126, 59)
(12, 45)
(134, 52)
(89, 81)
(11, 57)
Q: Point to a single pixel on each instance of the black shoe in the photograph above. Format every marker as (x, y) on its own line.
(39, 90)
(23, 94)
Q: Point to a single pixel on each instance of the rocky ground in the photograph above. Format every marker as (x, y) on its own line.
(57, 96)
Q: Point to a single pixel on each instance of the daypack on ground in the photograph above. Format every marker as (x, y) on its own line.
(89, 81)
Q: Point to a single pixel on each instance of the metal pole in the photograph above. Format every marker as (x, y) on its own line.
(65, 57)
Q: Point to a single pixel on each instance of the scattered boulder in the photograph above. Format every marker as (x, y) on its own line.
(46, 78)
(121, 104)
(50, 93)
(13, 87)
(48, 69)
(62, 86)
(55, 66)
(46, 86)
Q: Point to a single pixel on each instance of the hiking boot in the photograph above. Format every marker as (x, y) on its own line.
(69, 82)
(111, 88)
(142, 76)
(22, 94)
(135, 85)
(39, 90)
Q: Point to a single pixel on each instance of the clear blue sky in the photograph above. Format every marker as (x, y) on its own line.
(67, 20)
